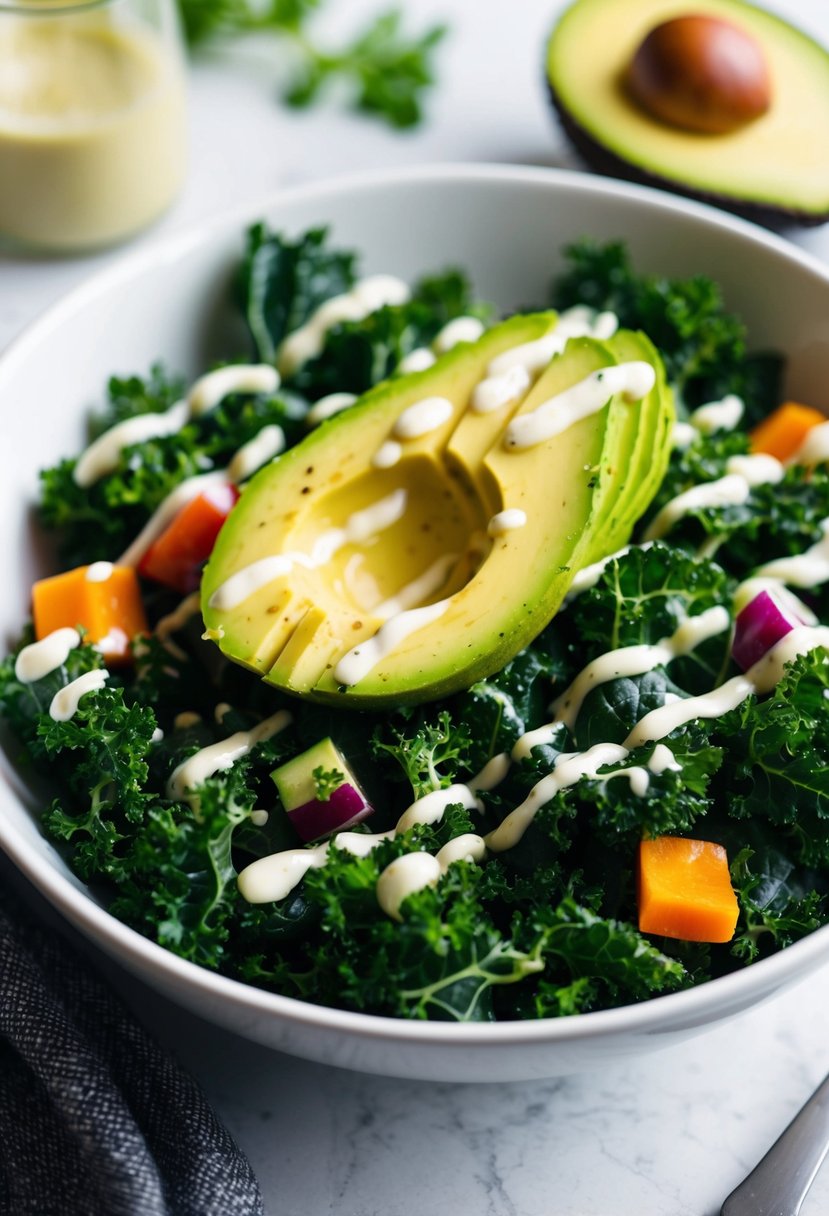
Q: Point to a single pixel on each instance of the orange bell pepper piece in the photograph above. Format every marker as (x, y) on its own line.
(783, 432)
(102, 599)
(685, 890)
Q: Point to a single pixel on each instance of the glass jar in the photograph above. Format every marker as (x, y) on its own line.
(92, 119)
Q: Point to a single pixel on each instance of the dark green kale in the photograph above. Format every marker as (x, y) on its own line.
(702, 344)
(99, 521)
(777, 758)
(642, 597)
(778, 901)
(281, 282)
(776, 520)
(357, 355)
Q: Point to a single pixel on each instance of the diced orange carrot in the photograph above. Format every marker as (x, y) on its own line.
(685, 890)
(102, 599)
(783, 432)
(176, 558)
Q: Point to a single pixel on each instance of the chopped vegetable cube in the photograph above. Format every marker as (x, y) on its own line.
(102, 599)
(685, 890)
(783, 432)
(320, 793)
(176, 558)
(760, 625)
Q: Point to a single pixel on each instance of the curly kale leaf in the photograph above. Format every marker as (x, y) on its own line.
(776, 520)
(637, 801)
(702, 344)
(282, 282)
(359, 354)
(704, 459)
(778, 903)
(99, 521)
(424, 750)
(441, 961)
(777, 757)
(624, 965)
(177, 880)
(642, 597)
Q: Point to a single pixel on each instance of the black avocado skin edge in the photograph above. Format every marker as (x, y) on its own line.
(602, 160)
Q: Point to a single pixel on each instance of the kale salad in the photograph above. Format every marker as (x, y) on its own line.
(633, 803)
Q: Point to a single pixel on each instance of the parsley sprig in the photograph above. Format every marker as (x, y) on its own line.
(387, 69)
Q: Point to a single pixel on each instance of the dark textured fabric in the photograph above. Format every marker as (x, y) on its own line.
(95, 1119)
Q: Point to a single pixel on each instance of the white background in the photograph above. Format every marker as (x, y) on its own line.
(669, 1135)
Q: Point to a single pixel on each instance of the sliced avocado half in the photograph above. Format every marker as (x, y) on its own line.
(773, 170)
(343, 577)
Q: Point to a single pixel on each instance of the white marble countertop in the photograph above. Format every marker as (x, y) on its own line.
(668, 1135)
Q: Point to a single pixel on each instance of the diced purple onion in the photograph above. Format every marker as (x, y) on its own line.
(760, 625)
(344, 808)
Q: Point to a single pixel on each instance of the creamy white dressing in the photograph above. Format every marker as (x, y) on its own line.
(494, 392)
(259, 817)
(422, 418)
(589, 576)
(189, 607)
(64, 704)
(328, 406)
(264, 446)
(418, 360)
(365, 297)
(750, 588)
(633, 661)
(212, 388)
(742, 473)
(683, 435)
(760, 678)
(654, 726)
(461, 329)
(568, 770)
(806, 569)
(219, 757)
(115, 641)
(492, 774)
(356, 664)
(663, 760)
(721, 415)
(99, 572)
(577, 322)
(102, 456)
(632, 381)
(387, 455)
(815, 447)
(41, 658)
(507, 520)
(274, 877)
(419, 589)
(359, 527)
(414, 871)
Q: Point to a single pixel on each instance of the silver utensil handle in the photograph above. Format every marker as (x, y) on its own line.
(778, 1185)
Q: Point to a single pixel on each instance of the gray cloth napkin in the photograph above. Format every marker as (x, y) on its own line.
(95, 1119)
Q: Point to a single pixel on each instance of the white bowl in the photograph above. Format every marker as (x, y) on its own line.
(507, 225)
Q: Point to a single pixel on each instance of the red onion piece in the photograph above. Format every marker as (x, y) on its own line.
(760, 625)
(344, 808)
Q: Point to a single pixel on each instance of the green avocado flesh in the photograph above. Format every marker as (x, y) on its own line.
(347, 548)
(771, 168)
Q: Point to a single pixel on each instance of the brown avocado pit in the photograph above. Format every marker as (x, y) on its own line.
(701, 74)
(664, 110)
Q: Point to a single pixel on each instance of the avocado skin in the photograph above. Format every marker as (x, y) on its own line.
(600, 159)
(597, 155)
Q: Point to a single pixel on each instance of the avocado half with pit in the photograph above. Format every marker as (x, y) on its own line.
(413, 544)
(772, 169)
